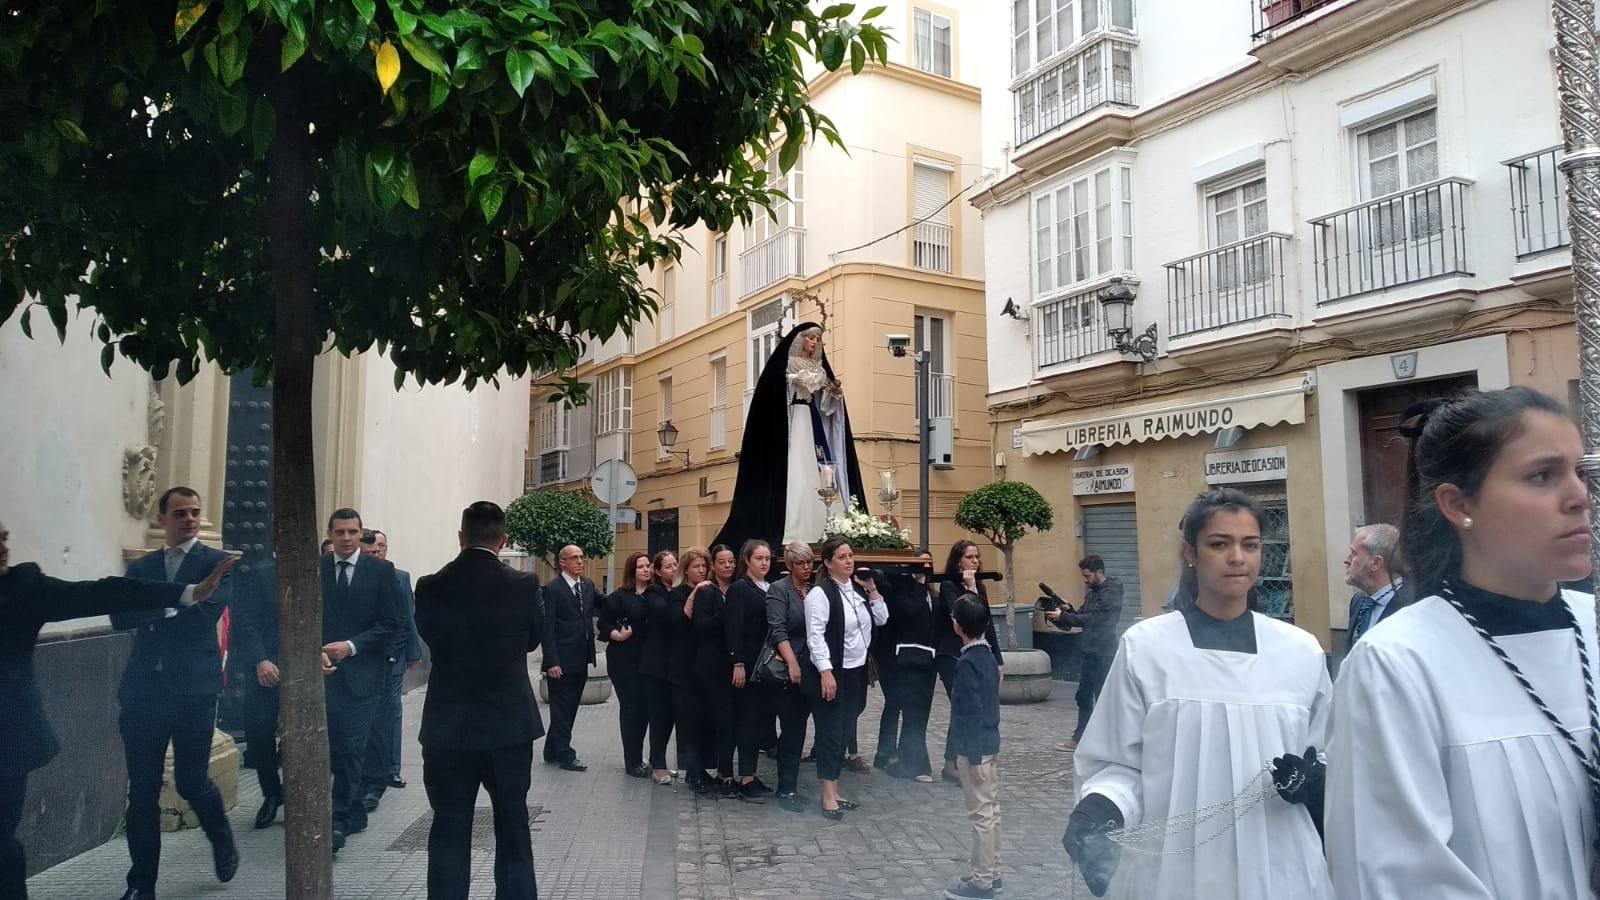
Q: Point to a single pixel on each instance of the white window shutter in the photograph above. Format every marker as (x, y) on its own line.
(930, 193)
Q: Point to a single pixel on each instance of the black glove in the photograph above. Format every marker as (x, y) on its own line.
(1086, 842)
(1302, 779)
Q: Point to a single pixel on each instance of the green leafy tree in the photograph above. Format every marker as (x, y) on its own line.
(542, 523)
(1005, 512)
(467, 188)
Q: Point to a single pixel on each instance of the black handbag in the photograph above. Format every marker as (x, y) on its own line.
(770, 667)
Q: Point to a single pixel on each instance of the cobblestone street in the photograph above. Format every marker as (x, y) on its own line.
(601, 834)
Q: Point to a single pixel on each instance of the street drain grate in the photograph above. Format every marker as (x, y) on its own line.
(415, 838)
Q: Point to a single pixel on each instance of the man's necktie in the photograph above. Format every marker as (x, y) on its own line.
(1363, 614)
(174, 561)
(344, 573)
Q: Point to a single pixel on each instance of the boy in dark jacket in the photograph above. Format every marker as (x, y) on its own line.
(975, 734)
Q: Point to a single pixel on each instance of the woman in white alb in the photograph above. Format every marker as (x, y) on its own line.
(1197, 704)
(1463, 750)
(816, 437)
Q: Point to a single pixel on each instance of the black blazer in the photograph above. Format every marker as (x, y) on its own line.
(681, 644)
(1098, 617)
(481, 619)
(786, 617)
(948, 643)
(975, 706)
(254, 620)
(710, 638)
(744, 623)
(28, 599)
(623, 607)
(369, 614)
(568, 625)
(653, 656)
(1404, 595)
(184, 646)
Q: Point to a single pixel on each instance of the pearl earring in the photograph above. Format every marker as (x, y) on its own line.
(1467, 523)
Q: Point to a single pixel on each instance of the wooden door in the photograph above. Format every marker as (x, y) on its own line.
(1384, 451)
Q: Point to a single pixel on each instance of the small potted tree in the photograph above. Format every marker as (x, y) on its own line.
(1004, 512)
(540, 524)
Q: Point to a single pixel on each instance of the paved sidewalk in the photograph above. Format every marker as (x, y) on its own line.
(601, 834)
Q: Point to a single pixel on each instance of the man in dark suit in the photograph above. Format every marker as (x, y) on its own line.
(1098, 617)
(381, 770)
(169, 695)
(568, 653)
(481, 619)
(29, 599)
(362, 617)
(1368, 568)
(255, 643)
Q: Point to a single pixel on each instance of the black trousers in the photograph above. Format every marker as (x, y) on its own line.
(852, 721)
(1091, 678)
(688, 716)
(835, 719)
(452, 779)
(566, 695)
(889, 719)
(663, 716)
(946, 667)
(718, 725)
(152, 717)
(633, 714)
(349, 725)
(379, 762)
(13, 862)
(913, 688)
(261, 737)
(793, 711)
(752, 713)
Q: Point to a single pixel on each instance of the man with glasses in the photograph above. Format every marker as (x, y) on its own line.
(568, 653)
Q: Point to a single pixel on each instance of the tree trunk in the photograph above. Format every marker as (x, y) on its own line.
(302, 719)
(1011, 599)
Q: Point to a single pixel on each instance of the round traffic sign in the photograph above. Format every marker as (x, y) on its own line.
(613, 481)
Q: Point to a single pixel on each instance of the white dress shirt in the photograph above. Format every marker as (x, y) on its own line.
(859, 618)
(181, 556)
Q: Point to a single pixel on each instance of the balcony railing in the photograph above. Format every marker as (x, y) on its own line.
(719, 295)
(774, 259)
(1269, 14)
(1411, 235)
(1069, 328)
(546, 468)
(941, 395)
(1237, 282)
(1099, 74)
(930, 246)
(1539, 202)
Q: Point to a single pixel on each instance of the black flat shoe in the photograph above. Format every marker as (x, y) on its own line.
(639, 771)
(792, 802)
(848, 804)
(574, 766)
(836, 815)
(395, 781)
(269, 811)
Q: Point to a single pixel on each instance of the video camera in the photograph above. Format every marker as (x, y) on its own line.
(1050, 602)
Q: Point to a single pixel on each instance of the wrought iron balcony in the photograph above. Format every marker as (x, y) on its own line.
(1539, 202)
(1404, 237)
(1069, 328)
(1097, 75)
(1237, 282)
(778, 257)
(1269, 14)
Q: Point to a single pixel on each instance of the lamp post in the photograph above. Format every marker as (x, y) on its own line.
(900, 348)
(1116, 306)
(1580, 125)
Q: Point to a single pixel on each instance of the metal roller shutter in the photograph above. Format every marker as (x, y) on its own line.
(1111, 533)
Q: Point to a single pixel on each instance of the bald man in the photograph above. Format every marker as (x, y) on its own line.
(568, 653)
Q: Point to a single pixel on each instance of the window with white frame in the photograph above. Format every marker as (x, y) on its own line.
(664, 409)
(932, 336)
(930, 214)
(1236, 211)
(719, 275)
(613, 401)
(1077, 226)
(766, 326)
(669, 303)
(1040, 29)
(788, 211)
(931, 42)
(719, 403)
(1396, 156)
(552, 439)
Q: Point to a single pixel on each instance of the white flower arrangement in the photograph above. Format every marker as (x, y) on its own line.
(866, 531)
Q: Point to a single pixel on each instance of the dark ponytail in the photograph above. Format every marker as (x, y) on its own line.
(1454, 441)
(1195, 520)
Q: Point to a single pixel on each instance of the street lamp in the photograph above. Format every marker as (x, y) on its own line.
(667, 436)
(1116, 305)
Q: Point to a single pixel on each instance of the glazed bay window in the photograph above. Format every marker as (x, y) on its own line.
(613, 402)
(1041, 29)
(552, 427)
(931, 42)
(1097, 75)
(1083, 229)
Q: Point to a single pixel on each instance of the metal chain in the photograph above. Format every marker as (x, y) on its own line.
(1137, 838)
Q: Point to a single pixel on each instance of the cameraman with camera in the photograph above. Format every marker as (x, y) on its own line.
(1102, 608)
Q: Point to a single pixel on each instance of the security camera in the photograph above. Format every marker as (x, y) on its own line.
(899, 344)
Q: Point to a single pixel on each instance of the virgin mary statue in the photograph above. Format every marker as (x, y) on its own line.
(797, 426)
